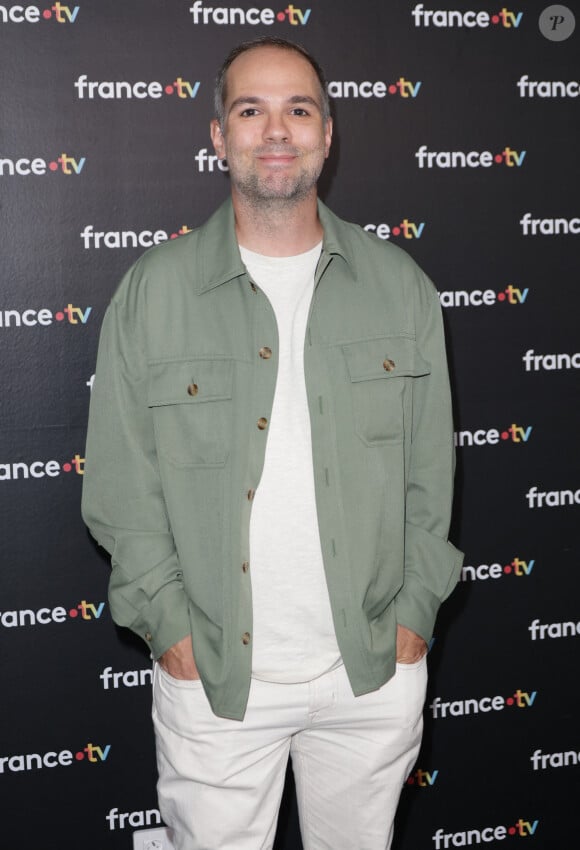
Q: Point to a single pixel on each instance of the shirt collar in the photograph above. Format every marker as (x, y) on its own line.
(218, 255)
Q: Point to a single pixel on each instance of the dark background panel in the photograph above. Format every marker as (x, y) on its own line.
(71, 678)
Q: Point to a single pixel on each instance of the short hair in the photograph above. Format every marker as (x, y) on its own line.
(220, 90)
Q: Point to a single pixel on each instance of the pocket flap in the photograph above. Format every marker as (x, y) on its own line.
(190, 381)
(387, 357)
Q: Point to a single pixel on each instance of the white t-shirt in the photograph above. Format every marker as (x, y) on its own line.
(294, 638)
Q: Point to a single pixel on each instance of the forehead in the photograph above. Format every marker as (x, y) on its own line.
(271, 72)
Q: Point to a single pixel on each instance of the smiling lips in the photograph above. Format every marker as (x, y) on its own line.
(277, 157)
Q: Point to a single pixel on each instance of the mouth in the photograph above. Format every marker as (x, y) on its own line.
(277, 159)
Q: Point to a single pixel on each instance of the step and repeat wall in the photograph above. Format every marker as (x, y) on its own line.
(456, 139)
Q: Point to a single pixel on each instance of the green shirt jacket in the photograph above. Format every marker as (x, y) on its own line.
(185, 377)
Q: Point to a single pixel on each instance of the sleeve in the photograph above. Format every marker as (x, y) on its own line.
(122, 502)
(432, 564)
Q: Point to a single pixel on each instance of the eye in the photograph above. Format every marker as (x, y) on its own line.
(298, 110)
(249, 112)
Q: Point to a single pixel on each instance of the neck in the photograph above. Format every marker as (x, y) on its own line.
(277, 229)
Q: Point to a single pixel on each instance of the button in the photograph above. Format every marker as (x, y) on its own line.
(388, 365)
(246, 638)
(192, 389)
(250, 495)
(265, 352)
(253, 286)
(262, 423)
(245, 567)
(148, 636)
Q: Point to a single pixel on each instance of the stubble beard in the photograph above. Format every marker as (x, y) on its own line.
(277, 192)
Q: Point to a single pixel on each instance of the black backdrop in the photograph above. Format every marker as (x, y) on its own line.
(92, 142)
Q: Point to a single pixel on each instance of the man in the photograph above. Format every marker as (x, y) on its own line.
(270, 464)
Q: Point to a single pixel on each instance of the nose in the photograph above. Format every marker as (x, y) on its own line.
(275, 129)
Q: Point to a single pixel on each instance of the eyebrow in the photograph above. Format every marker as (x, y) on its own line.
(253, 100)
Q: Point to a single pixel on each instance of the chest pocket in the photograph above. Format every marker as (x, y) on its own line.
(192, 405)
(379, 371)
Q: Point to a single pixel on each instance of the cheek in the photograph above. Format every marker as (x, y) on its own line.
(239, 143)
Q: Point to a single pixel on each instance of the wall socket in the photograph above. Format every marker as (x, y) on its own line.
(153, 839)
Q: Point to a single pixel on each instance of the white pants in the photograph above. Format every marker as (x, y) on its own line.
(221, 781)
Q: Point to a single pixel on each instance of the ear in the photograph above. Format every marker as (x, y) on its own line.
(217, 139)
(327, 137)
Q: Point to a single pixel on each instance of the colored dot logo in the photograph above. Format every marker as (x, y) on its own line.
(182, 230)
(77, 463)
(169, 89)
(522, 699)
(513, 295)
(59, 12)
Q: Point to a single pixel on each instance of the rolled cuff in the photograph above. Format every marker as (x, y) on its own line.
(432, 567)
(161, 622)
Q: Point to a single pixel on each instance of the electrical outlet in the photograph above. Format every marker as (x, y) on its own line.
(153, 839)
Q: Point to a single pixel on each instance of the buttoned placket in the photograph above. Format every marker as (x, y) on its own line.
(324, 458)
(264, 333)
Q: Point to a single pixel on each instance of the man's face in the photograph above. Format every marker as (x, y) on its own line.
(274, 137)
